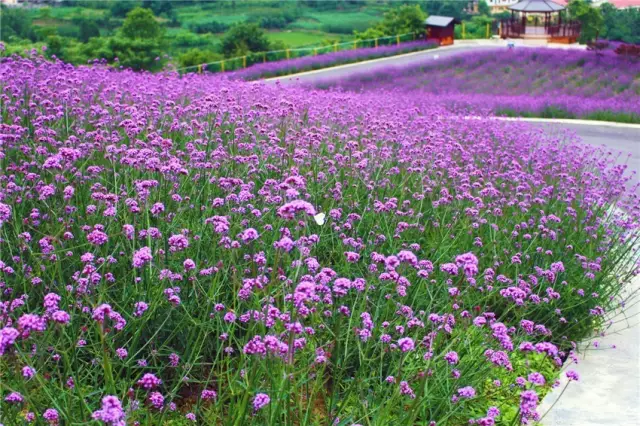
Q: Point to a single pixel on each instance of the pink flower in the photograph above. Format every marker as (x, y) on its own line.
(260, 400)
(351, 256)
(97, 238)
(208, 394)
(573, 375)
(467, 392)
(61, 317)
(28, 372)
(406, 344)
(249, 235)
(14, 398)
(149, 381)
(111, 412)
(289, 210)
(157, 400)
(142, 257)
(178, 243)
(8, 336)
(51, 416)
(5, 213)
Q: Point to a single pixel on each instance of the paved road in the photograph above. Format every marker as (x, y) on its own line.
(395, 61)
(609, 390)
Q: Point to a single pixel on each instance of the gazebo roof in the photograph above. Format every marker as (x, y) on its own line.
(536, 6)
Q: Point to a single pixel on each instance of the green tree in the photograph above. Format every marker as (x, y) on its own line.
(95, 48)
(139, 43)
(194, 57)
(590, 18)
(55, 45)
(87, 29)
(141, 24)
(244, 38)
(401, 20)
(119, 9)
(477, 26)
(370, 34)
(158, 7)
(483, 8)
(456, 9)
(620, 24)
(404, 19)
(137, 54)
(16, 23)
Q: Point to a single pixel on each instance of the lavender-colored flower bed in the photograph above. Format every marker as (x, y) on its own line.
(179, 249)
(536, 82)
(307, 63)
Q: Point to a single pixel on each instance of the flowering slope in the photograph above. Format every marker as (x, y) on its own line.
(200, 249)
(525, 81)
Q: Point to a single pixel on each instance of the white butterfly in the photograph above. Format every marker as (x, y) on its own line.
(319, 218)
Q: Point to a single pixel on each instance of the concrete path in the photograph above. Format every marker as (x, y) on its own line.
(406, 59)
(608, 393)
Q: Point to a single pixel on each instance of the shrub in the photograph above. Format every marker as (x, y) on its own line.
(184, 38)
(194, 57)
(274, 19)
(209, 27)
(137, 54)
(87, 29)
(244, 38)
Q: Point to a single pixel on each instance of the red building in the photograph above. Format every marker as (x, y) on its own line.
(440, 29)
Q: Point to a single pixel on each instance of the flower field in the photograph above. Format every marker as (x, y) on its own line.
(550, 83)
(195, 249)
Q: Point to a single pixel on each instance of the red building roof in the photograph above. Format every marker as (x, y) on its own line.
(625, 3)
(620, 4)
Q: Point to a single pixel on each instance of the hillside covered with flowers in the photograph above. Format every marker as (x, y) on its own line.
(178, 249)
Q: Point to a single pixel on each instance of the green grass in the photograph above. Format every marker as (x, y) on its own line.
(67, 13)
(303, 38)
(201, 17)
(343, 22)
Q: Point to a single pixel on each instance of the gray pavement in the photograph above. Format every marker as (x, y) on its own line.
(395, 61)
(608, 393)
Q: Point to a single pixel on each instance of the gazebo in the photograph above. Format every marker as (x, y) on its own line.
(545, 12)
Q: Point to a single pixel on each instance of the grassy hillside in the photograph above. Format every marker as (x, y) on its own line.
(310, 26)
